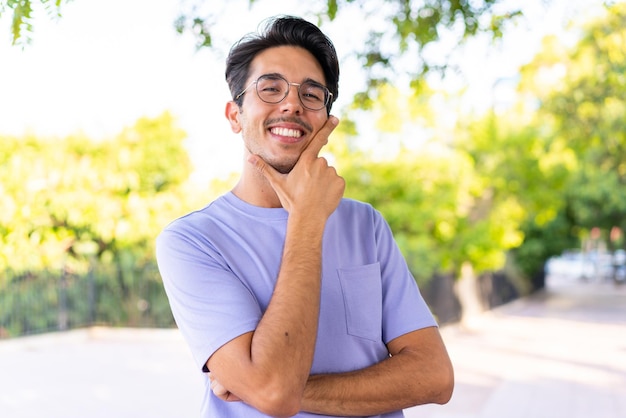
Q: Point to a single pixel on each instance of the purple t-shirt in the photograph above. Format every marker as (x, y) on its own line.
(219, 266)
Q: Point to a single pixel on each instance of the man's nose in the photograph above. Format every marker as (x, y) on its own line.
(292, 101)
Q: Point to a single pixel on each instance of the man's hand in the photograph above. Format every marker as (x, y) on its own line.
(221, 392)
(312, 187)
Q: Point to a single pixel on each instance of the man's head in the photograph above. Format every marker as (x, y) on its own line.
(282, 31)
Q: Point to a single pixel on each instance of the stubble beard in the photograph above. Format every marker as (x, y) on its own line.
(283, 167)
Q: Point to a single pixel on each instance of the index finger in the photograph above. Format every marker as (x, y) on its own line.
(321, 138)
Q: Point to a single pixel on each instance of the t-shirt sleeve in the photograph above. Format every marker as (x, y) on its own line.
(210, 305)
(404, 308)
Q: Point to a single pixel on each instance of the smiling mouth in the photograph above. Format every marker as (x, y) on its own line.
(290, 133)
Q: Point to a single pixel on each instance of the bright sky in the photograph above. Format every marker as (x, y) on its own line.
(106, 63)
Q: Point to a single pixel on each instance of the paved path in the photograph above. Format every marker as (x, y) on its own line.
(99, 372)
(560, 353)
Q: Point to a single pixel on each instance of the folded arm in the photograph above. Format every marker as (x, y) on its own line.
(268, 368)
(418, 371)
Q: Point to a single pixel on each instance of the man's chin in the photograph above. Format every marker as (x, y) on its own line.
(283, 168)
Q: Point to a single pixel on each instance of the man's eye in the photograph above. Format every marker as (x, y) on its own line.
(313, 93)
(312, 96)
(271, 88)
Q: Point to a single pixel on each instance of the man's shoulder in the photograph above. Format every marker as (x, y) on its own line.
(353, 207)
(199, 216)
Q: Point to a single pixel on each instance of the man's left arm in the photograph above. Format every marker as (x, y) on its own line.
(418, 371)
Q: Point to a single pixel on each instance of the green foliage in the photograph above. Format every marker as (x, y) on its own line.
(75, 197)
(575, 151)
(542, 242)
(530, 183)
(442, 208)
(23, 16)
(58, 300)
(520, 185)
(92, 208)
(584, 105)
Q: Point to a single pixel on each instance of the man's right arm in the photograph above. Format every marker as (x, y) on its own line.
(269, 367)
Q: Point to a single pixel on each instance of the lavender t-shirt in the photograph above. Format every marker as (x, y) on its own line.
(219, 266)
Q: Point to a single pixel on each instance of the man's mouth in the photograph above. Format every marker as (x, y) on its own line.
(291, 133)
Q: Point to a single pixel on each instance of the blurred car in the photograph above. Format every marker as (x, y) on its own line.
(572, 264)
(578, 265)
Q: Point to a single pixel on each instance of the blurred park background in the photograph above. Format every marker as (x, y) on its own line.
(490, 134)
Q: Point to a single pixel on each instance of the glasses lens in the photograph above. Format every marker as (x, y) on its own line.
(272, 89)
(313, 95)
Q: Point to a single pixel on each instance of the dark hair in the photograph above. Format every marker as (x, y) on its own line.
(281, 31)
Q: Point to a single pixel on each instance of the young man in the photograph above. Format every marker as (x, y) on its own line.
(293, 299)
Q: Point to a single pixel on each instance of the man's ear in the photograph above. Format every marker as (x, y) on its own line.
(232, 114)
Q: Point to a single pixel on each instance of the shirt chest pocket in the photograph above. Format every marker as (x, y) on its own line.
(361, 288)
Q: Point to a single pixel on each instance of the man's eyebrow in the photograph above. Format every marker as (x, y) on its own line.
(310, 80)
(277, 75)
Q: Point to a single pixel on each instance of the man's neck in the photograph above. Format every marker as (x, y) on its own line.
(254, 189)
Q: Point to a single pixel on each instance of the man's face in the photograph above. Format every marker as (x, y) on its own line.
(279, 132)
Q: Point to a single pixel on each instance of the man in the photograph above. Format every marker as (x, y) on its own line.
(293, 299)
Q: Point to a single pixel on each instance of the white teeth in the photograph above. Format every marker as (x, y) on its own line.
(294, 133)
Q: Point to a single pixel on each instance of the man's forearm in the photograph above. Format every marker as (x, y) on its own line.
(411, 377)
(285, 336)
(366, 392)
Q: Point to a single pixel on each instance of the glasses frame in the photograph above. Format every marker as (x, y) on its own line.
(327, 96)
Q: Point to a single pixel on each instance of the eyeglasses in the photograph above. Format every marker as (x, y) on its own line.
(273, 88)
